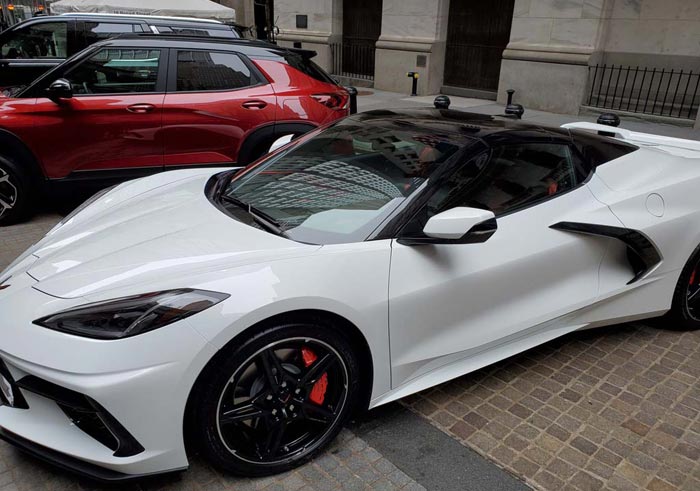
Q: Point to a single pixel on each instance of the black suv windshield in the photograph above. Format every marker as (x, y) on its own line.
(339, 185)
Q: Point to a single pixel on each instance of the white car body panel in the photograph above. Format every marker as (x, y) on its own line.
(428, 313)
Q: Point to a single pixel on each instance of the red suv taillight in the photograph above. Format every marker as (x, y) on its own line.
(335, 100)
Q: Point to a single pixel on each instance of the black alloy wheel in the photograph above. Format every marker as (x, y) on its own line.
(16, 195)
(693, 293)
(282, 400)
(685, 312)
(8, 194)
(276, 401)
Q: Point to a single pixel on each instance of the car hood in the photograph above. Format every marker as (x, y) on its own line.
(156, 233)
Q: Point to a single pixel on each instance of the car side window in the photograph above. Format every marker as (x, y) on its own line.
(116, 71)
(44, 40)
(505, 179)
(199, 71)
(97, 31)
(520, 175)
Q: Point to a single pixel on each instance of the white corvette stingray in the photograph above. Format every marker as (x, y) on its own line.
(379, 256)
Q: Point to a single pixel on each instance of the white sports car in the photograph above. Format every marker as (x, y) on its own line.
(376, 257)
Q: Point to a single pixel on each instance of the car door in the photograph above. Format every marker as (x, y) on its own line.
(28, 50)
(215, 100)
(113, 121)
(465, 304)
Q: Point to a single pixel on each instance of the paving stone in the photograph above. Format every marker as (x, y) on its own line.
(617, 408)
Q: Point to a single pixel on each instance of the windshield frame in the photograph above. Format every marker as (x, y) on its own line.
(383, 223)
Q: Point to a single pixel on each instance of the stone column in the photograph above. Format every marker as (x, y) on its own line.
(412, 40)
(245, 14)
(325, 26)
(551, 45)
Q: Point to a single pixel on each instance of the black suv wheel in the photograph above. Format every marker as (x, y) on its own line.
(15, 200)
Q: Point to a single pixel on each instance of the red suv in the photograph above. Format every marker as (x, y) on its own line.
(128, 107)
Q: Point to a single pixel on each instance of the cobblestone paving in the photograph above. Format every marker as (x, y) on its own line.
(616, 408)
(16, 239)
(350, 464)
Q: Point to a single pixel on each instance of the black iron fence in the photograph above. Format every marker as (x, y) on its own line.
(353, 59)
(661, 92)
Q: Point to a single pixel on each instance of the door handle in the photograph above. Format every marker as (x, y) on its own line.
(141, 108)
(254, 104)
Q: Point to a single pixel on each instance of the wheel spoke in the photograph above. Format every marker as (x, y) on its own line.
(319, 414)
(693, 297)
(273, 441)
(242, 412)
(318, 369)
(272, 368)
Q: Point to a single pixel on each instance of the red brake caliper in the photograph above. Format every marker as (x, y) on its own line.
(692, 277)
(318, 391)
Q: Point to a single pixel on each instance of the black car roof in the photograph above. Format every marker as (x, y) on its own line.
(156, 21)
(491, 129)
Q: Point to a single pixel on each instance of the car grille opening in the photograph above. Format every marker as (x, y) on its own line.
(87, 414)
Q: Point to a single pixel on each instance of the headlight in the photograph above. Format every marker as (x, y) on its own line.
(80, 208)
(125, 317)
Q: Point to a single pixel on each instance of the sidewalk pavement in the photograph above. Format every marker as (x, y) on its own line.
(369, 99)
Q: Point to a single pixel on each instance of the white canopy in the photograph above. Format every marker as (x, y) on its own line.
(203, 9)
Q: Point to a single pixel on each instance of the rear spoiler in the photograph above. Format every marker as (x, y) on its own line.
(307, 54)
(634, 136)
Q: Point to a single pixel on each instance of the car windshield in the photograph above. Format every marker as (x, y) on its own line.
(339, 185)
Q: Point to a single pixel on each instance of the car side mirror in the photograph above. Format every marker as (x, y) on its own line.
(280, 142)
(59, 90)
(459, 225)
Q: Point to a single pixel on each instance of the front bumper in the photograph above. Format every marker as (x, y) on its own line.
(140, 384)
(66, 462)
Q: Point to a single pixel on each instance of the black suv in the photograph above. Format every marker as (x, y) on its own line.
(34, 46)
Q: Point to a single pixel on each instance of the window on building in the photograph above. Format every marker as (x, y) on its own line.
(45, 40)
(210, 70)
(117, 71)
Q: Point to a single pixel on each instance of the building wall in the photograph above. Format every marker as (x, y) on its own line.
(554, 41)
(656, 33)
(411, 29)
(551, 44)
(325, 25)
(244, 10)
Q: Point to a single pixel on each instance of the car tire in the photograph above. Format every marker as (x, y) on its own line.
(15, 192)
(254, 416)
(685, 312)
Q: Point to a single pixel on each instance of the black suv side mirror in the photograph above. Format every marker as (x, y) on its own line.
(60, 89)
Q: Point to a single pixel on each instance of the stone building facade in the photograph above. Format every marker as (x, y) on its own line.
(547, 50)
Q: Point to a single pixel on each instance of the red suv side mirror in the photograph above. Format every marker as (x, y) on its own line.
(60, 89)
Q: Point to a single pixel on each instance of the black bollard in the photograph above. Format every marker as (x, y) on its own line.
(513, 110)
(352, 91)
(609, 119)
(442, 102)
(414, 87)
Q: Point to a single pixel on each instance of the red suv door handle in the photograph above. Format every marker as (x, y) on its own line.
(141, 108)
(254, 104)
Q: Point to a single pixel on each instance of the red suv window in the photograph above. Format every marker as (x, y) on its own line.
(211, 70)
